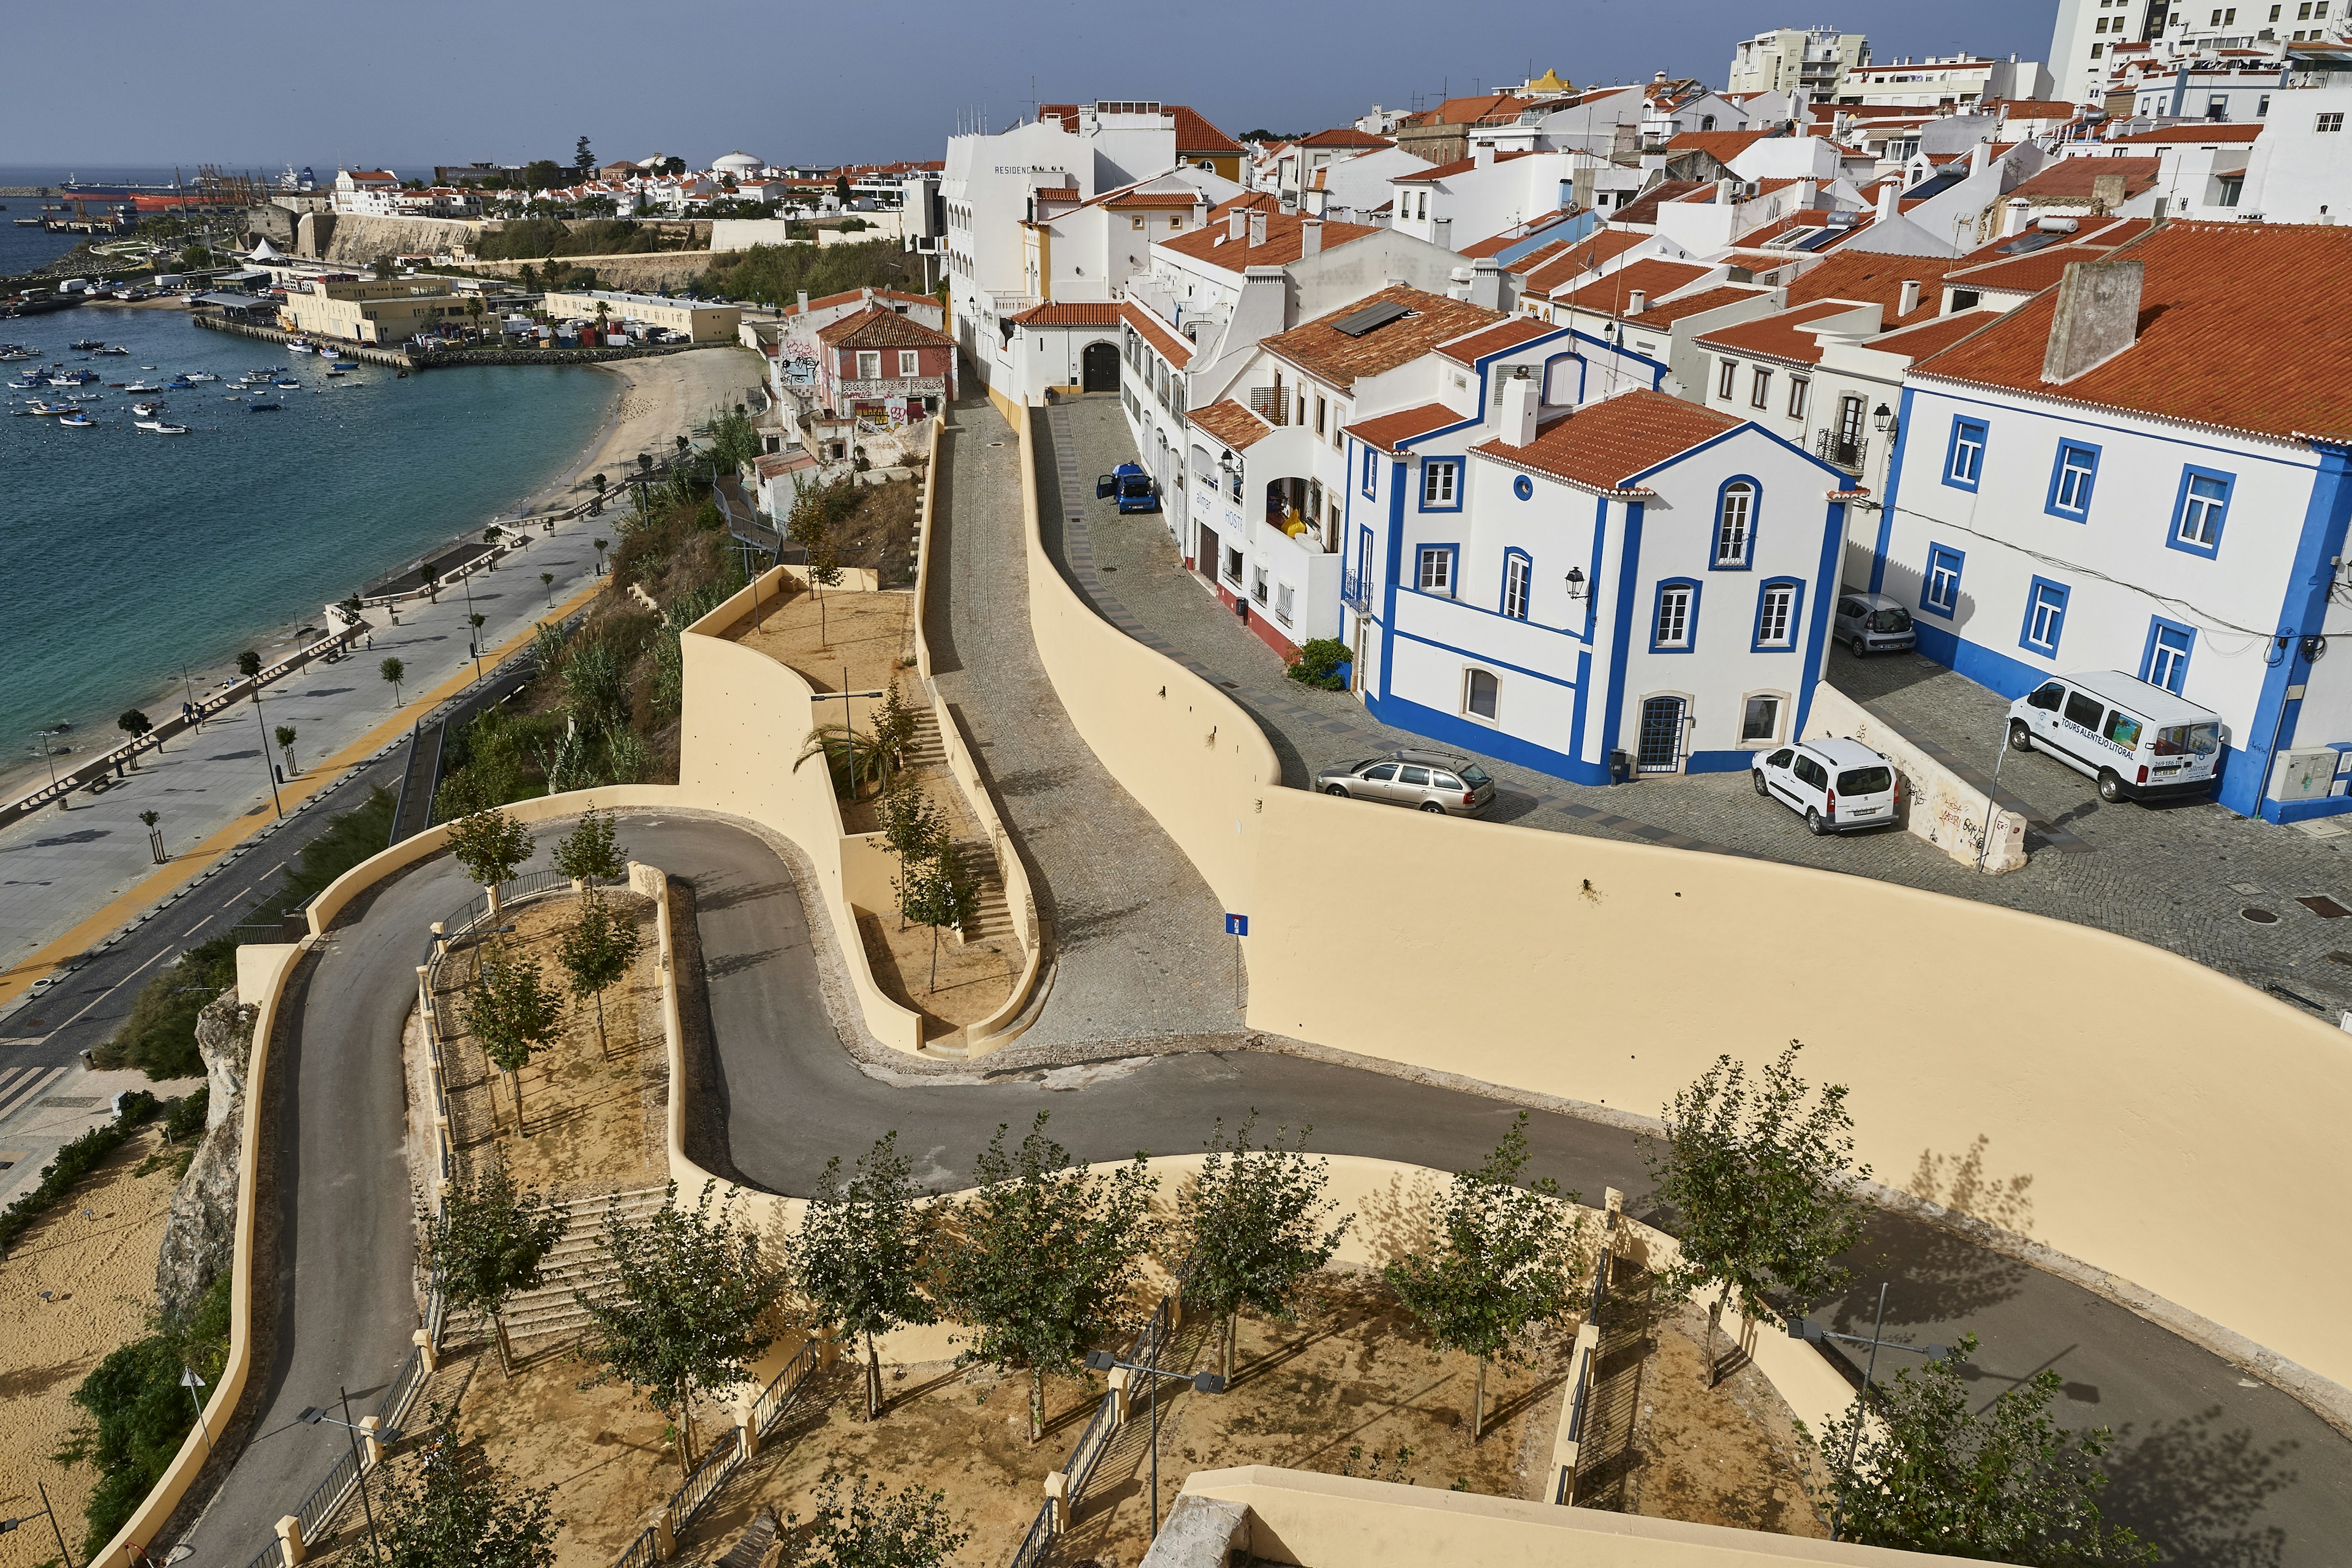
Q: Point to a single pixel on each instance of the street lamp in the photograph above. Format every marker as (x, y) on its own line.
(1880, 418)
(257, 718)
(1576, 582)
(1203, 1382)
(1806, 1329)
(8, 1525)
(312, 1415)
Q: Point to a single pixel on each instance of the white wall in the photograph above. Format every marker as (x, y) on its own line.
(2297, 172)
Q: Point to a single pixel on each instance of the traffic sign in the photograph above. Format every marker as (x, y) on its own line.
(1237, 925)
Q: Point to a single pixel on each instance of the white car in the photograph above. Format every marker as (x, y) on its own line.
(1834, 784)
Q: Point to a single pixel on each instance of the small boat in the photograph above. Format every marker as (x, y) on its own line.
(121, 351)
(333, 373)
(166, 428)
(85, 397)
(233, 396)
(179, 384)
(346, 364)
(86, 344)
(263, 407)
(202, 376)
(71, 377)
(27, 382)
(142, 386)
(76, 420)
(299, 346)
(288, 384)
(146, 410)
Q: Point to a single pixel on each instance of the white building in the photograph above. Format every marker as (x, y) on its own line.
(1942, 80)
(1813, 60)
(1454, 205)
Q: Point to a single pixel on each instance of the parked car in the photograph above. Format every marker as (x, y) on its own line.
(1834, 784)
(1127, 484)
(1873, 623)
(2137, 740)
(1430, 781)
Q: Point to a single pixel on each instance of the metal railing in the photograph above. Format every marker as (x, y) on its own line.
(405, 1385)
(1036, 1546)
(1087, 1451)
(769, 1407)
(328, 1495)
(700, 1487)
(271, 1557)
(642, 1552)
(1831, 448)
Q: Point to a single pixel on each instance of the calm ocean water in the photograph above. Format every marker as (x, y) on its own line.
(124, 554)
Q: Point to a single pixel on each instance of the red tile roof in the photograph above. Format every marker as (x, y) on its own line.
(1346, 136)
(1874, 278)
(2033, 108)
(1282, 245)
(1722, 146)
(1651, 275)
(1493, 340)
(1935, 336)
(1230, 422)
(2027, 274)
(1078, 313)
(1579, 258)
(880, 327)
(850, 296)
(1494, 243)
(1173, 347)
(2170, 133)
(1470, 110)
(1331, 356)
(1186, 199)
(1390, 430)
(1195, 134)
(2212, 350)
(1667, 314)
(1602, 445)
(2069, 179)
(1781, 336)
(1459, 167)
(1646, 209)
(2108, 231)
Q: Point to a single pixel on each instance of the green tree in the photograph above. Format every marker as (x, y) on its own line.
(894, 724)
(865, 1251)
(596, 953)
(1507, 1264)
(488, 1242)
(1763, 1183)
(690, 1306)
(584, 162)
(911, 1530)
(513, 1013)
(1254, 1221)
(933, 894)
(589, 852)
(810, 526)
(1920, 1469)
(1043, 1259)
(452, 1507)
(601, 545)
(393, 673)
(134, 723)
(547, 581)
(284, 736)
(248, 663)
(492, 847)
(913, 826)
(852, 757)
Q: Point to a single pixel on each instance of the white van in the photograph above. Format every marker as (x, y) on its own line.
(2140, 741)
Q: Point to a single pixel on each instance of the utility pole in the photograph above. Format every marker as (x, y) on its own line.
(264, 723)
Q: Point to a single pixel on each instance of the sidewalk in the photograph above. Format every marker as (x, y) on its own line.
(60, 870)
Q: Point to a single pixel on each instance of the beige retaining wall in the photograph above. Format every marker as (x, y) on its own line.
(1938, 805)
(2156, 1106)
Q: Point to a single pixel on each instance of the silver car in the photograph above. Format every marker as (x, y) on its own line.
(1430, 781)
(1873, 623)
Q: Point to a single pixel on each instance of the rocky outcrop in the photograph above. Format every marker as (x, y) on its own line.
(200, 1235)
(357, 241)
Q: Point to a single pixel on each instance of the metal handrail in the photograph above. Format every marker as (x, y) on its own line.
(709, 1476)
(770, 1405)
(328, 1495)
(642, 1552)
(1035, 1546)
(270, 1556)
(1080, 1469)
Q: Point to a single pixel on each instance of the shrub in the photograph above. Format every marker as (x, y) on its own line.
(1318, 663)
(74, 1161)
(142, 1412)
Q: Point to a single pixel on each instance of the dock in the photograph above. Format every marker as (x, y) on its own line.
(364, 352)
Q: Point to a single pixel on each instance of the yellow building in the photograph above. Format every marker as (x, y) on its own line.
(699, 320)
(371, 311)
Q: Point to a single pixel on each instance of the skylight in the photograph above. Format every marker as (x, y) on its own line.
(1370, 318)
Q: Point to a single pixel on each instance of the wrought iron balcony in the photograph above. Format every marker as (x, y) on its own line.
(1847, 453)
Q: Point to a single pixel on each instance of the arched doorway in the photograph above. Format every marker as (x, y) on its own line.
(1098, 368)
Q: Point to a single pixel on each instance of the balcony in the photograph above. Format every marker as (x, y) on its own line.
(1850, 454)
(853, 392)
(1355, 591)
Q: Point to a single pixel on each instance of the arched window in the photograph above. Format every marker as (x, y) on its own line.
(1481, 694)
(1735, 523)
(1517, 572)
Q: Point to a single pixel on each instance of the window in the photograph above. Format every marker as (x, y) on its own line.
(1801, 388)
(1371, 473)
(1437, 575)
(2070, 481)
(1234, 567)
(1257, 586)
(1671, 630)
(2198, 514)
(2083, 709)
(2274, 12)
(2329, 123)
(2263, 108)
(1724, 378)
(1939, 588)
(2045, 618)
(2166, 662)
(1776, 617)
(1437, 483)
(1322, 411)
(1735, 521)
(1480, 692)
(1759, 390)
(1283, 597)
(1517, 570)
(910, 362)
(869, 364)
(1760, 721)
(1965, 462)
(2232, 187)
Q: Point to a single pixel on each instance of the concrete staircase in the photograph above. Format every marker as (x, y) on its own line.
(992, 918)
(577, 1263)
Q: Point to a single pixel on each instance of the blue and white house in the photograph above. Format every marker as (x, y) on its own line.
(2148, 468)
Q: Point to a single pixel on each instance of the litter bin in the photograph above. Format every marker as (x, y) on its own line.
(1620, 766)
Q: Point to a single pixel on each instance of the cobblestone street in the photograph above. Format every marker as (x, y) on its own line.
(2177, 877)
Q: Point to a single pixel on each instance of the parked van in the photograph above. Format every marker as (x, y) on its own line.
(2138, 740)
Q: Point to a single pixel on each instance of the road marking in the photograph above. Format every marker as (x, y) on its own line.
(18, 1093)
(110, 990)
(199, 925)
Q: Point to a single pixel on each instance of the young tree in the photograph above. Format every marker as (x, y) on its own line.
(1920, 1469)
(602, 545)
(492, 847)
(913, 823)
(863, 1253)
(810, 526)
(248, 663)
(393, 673)
(894, 725)
(284, 736)
(487, 1243)
(933, 894)
(547, 581)
(135, 723)
(513, 1014)
(1764, 1184)
(911, 1530)
(596, 954)
(1507, 1264)
(588, 853)
(455, 1508)
(1043, 1260)
(1255, 1222)
(689, 1309)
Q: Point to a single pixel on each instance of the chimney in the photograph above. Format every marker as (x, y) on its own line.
(2096, 319)
(1519, 407)
(1310, 237)
(804, 302)
(2013, 219)
(1199, 210)
(1909, 300)
(1256, 227)
(1727, 191)
(1979, 157)
(2106, 194)
(1482, 155)
(1890, 197)
(1236, 223)
(1441, 233)
(1808, 190)
(866, 294)
(1487, 283)
(1637, 302)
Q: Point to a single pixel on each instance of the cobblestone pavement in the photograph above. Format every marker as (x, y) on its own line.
(2177, 877)
(1138, 944)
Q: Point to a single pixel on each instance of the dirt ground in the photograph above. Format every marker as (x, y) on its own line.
(94, 1256)
(972, 978)
(869, 633)
(592, 1115)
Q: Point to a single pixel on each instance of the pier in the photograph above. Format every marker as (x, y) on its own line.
(364, 352)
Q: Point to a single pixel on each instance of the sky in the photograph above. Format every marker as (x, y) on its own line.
(257, 86)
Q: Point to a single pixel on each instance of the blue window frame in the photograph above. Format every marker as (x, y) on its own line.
(2072, 474)
(1371, 470)
(2199, 510)
(1939, 584)
(1524, 488)
(1518, 580)
(1964, 456)
(2045, 618)
(2165, 662)
(1738, 502)
(1441, 484)
(1674, 616)
(1780, 616)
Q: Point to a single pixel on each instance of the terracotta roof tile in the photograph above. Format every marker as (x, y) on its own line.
(1651, 275)
(1579, 258)
(1331, 356)
(1871, 277)
(2212, 350)
(1195, 134)
(1935, 336)
(1076, 313)
(2069, 179)
(1390, 429)
(1459, 167)
(1282, 243)
(1782, 335)
(879, 327)
(1346, 136)
(1646, 209)
(850, 296)
(1714, 299)
(1185, 199)
(1602, 445)
(1722, 146)
(1470, 110)
(1231, 424)
(1493, 340)
(2166, 134)
(1173, 347)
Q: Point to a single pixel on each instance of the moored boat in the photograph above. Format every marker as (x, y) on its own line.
(78, 420)
(263, 407)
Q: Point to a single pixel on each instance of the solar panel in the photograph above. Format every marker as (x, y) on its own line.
(2033, 239)
(1370, 317)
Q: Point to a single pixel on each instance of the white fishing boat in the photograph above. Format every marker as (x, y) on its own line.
(76, 420)
(202, 376)
(142, 386)
(146, 410)
(166, 430)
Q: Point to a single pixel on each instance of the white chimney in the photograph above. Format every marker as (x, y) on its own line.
(1518, 409)
(1637, 302)
(804, 302)
(1256, 227)
(1979, 156)
(1727, 191)
(1909, 300)
(1310, 237)
(1890, 196)
(1807, 190)
(1482, 155)
(1236, 223)
(2012, 217)
(1487, 283)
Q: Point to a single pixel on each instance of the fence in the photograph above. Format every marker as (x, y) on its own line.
(1567, 1446)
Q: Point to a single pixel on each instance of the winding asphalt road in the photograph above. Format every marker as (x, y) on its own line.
(2218, 1470)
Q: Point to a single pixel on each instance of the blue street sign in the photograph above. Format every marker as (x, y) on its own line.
(1237, 925)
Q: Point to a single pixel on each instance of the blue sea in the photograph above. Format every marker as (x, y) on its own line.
(126, 555)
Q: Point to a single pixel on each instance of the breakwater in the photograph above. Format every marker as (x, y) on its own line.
(426, 358)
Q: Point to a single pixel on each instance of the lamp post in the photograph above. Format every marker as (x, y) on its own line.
(8, 1525)
(1203, 1383)
(1575, 582)
(1806, 1329)
(192, 1380)
(257, 718)
(312, 1415)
